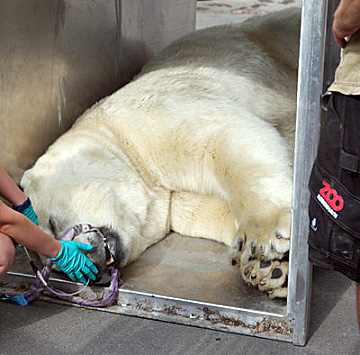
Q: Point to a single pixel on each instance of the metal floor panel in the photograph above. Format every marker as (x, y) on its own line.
(182, 280)
(187, 268)
(195, 269)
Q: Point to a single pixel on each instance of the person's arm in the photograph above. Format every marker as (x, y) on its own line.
(23, 231)
(346, 20)
(9, 190)
(66, 254)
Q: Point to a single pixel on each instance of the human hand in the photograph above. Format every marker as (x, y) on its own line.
(73, 262)
(27, 210)
(346, 20)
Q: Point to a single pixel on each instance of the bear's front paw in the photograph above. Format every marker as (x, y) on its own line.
(263, 244)
(261, 253)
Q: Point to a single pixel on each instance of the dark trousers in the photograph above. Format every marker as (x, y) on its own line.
(334, 208)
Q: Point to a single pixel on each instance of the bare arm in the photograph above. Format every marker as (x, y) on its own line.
(346, 20)
(9, 190)
(23, 231)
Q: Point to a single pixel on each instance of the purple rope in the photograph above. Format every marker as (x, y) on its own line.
(37, 287)
(104, 303)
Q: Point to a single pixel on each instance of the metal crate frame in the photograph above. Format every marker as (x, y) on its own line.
(293, 326)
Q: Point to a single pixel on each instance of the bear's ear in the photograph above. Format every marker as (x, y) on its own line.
(27, 180)
(52, 226)
(39, 171)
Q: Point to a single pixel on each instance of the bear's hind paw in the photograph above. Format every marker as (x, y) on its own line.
(268, 276)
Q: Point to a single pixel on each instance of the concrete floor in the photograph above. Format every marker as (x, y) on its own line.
(219, 12)
(46, 328)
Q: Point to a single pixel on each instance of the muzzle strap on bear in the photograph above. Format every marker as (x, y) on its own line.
(41, 283)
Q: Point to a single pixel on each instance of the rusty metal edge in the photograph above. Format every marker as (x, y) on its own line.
(174, 310)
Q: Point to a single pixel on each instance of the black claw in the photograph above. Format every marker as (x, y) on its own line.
(251, 258)
(252, 247)
(233, 261)
(273, 247)
(262, 250)
(264, 264)
(240, 245)
(277, 273)
(253, 276)
(285, 284)
(246, 271)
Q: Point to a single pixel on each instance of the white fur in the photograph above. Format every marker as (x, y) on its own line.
(200, 142)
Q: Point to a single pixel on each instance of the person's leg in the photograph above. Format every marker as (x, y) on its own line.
(7, 253)
(358, 302)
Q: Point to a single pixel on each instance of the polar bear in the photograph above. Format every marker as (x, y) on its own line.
(199, 143)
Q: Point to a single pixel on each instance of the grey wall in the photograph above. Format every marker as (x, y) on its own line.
(58, 57)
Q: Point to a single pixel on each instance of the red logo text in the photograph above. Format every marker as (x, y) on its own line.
(330, 195)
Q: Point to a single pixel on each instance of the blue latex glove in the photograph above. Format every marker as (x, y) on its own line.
(19, 299)
(73, 262)
(27, 210)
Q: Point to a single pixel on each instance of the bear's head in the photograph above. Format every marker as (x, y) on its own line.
(72, 186)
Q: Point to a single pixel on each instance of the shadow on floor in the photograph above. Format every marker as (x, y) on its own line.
(328, 287)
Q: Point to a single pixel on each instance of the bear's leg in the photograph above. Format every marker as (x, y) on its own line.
(202, 216)
(256, 178)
